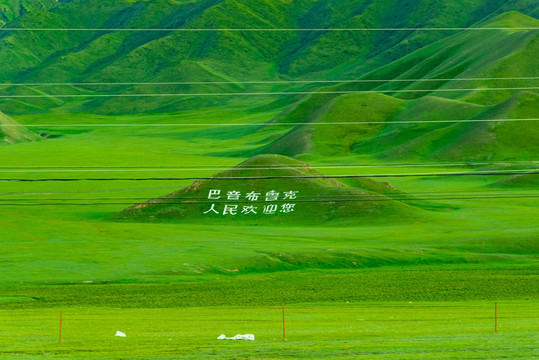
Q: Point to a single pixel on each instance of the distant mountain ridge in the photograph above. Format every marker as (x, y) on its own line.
(169, 56)
(505, 59)
(12, 9)
(435, 77)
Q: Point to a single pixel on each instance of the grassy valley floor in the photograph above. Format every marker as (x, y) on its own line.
(412, 150)
(418, 287)
(389, 330)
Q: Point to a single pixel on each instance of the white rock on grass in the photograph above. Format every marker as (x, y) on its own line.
(237, 337)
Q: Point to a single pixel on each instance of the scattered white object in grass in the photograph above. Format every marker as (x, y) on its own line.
(237, 337)
(120, 334)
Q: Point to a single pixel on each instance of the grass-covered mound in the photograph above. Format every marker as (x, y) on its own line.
(11, 133)
(314, 199)
(527, 181)
(416, 129)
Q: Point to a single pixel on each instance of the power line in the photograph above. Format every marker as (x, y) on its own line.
(95, 191)
(301, 166)
(260, 93)
(224, 168)
(284, 82)
(363, 194)
(275, 123)
(476, 173)
(273, 29)
(6, 197)
(288, 201)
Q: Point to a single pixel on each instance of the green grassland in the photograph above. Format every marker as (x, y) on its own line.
(74, 220)
(389, 330)
(76, 257)
(401, 238)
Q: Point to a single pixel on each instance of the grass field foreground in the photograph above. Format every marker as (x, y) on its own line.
(391, 330)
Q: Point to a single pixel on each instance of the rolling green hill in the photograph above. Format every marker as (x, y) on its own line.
(461, 61)
(315, 201)
(468, 141)
(447, 236)
(12, 9)
(86, 231)
(194, 56)
(391, 139)
(526, 181)
(10, 134)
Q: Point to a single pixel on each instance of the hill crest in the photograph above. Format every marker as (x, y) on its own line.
(11, 132)
(170, 56)
(271, 189)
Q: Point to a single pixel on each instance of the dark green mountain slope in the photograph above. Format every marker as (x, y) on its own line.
(11, 9)
(332, 50)
(392, 138)
(317, 201)
(504, 54)
(158, 56)
(457, 60)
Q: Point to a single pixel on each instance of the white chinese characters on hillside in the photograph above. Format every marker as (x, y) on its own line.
(252, 202)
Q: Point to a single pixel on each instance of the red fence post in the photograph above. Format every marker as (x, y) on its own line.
(60, 336)
(284, 327)
(495, 317)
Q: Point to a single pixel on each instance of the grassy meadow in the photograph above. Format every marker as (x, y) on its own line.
(414, 154)
(388, 330)
(74, 220)
(351, 289)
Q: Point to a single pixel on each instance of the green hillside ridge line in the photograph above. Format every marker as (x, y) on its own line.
(318, 200)
(478, 141)
(467, 55)
(16, 106)
(462, 55)
(10, 134)
(452, 141)
(201, 71)
(511, 19)
(455, 57)
(334, 140)
(12, 9)
(527, 181)
(160, 56)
